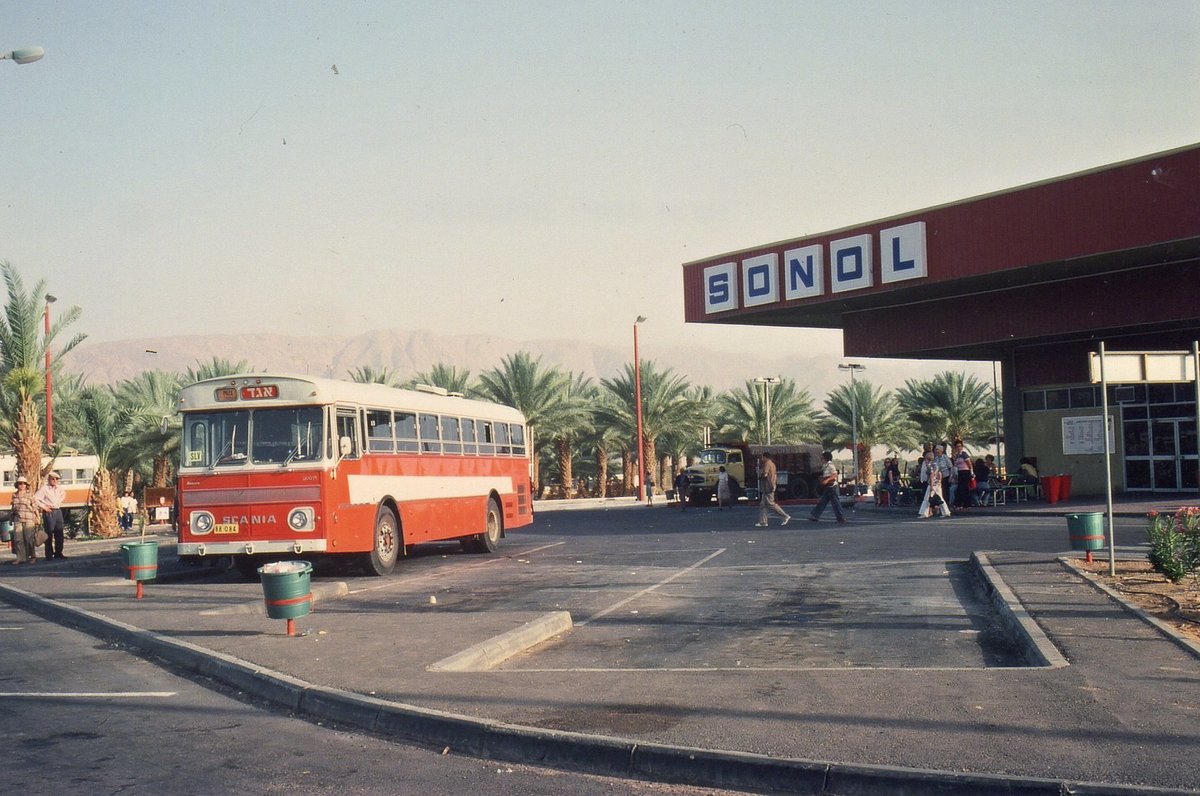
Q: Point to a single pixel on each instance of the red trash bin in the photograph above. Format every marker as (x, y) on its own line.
(1065, 491)
(1052, 487)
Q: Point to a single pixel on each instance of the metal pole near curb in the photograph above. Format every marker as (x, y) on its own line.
(1108, 488)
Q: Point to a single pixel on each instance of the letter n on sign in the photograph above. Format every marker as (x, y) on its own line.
(803, 272)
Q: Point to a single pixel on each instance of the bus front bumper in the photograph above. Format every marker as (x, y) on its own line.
(250, 548)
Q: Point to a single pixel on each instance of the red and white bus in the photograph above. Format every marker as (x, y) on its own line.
(281, 466)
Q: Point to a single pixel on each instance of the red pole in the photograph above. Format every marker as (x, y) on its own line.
(637, 397)
(291, 627)
(139, 590)
(49, 394)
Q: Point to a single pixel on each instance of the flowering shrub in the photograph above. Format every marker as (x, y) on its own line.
(1175, 542)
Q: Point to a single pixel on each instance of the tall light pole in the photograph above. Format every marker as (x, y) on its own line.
(49, 394)
(637, 399)
(24, 55)
(853, 367)
(766, 382)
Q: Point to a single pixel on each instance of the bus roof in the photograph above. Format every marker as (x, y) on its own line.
(250, 390)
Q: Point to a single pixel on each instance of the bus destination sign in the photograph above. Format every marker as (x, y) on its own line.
(260, 392)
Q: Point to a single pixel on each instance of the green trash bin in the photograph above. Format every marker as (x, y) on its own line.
(6, 531)
(140, 560)
(1086, 531)
(286, 589)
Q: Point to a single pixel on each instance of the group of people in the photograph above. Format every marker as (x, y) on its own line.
(38, 519)
(951, 479)
(768, 481)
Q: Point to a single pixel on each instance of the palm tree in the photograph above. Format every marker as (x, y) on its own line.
(742, 415)
(366, 374)
(150, 401)
(106, 426)
(448, 377)
(571, 419)
(951, 405)
(22, 354)
(217, 366)
(881, 421)
(523, 383)
(668, 406)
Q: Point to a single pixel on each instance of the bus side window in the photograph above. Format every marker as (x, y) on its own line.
(379, 431)
(450, 435)
(502, 446)
(431, 442)
(487, 442)
(197, 452)
(406, 431)
(518, 439)
(347, 428)
(468, 435)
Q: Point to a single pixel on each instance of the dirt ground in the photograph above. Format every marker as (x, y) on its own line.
(1176, 604)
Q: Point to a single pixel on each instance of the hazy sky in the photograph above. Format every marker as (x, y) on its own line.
(531, 169)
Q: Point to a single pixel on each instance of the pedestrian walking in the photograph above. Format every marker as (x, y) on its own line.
(768, 480)
(50, 499)
(25, 523)
(829, 494)
(724, 494)
(681, 488)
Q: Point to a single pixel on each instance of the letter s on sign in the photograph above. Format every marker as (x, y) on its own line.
(720, 288)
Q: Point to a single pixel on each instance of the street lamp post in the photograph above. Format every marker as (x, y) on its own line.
(637, 399)
(24, 55)
(853, 367)
(766, 382)
(49, 394)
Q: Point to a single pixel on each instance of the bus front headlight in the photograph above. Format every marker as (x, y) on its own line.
(302, 519)
(201, 523)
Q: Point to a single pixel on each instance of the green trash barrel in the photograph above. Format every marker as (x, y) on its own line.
(140, 560)
(286, 589)
(6, 531)
(1086, 530)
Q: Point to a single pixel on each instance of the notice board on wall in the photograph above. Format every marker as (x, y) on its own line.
(1082, 435)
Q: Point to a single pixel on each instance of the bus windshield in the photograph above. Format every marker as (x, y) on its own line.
(261, 436)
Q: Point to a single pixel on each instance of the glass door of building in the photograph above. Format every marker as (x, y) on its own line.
(1160, 455)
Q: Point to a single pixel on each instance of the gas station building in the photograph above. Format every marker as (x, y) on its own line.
(1034, 277)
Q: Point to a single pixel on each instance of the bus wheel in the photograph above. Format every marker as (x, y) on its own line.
(489, 540)
(382, 559)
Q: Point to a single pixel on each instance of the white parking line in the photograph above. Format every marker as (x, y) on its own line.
(408, 582)
(649, 589)
(87, 694)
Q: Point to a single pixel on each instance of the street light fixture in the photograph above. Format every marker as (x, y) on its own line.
(637, 399)
(49, 394)
(24, 55)
(766, 382)
(853, 367)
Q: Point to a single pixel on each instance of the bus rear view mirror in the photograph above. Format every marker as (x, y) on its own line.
(345, 446)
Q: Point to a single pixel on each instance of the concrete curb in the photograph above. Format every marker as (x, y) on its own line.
(496, 650)
(530, 745)
(1035, 646)
(1155, 622)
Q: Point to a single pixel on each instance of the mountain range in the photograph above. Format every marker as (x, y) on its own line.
(408, 352)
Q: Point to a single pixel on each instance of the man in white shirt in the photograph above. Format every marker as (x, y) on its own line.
(49, 499)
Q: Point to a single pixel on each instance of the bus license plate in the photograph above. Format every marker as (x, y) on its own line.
(225, 527)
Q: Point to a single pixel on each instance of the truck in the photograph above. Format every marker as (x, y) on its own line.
(798, 468)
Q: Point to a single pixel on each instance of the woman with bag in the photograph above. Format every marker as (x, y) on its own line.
(25, 523)
(933, 502)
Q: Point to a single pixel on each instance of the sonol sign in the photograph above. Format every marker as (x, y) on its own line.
(851, 266)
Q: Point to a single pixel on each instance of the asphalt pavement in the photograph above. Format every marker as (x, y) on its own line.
(1101, 700)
